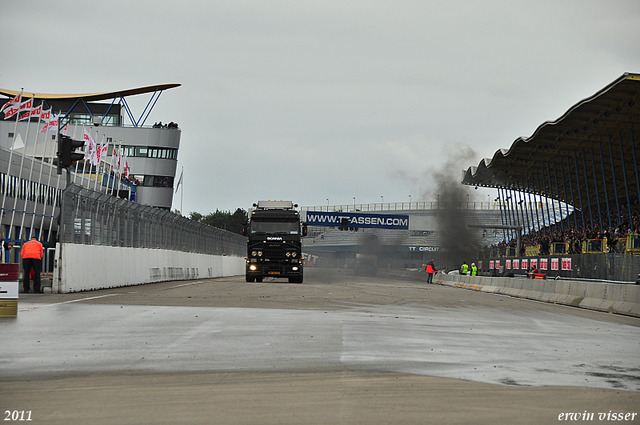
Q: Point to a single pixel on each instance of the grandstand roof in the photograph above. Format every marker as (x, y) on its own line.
(89, 97)
(589, 144)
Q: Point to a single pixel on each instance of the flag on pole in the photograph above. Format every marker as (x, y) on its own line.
(102, 151)
(88, 144)
(115, 160)
(10, 111)
(27, 105)
(52, 125)
(179, 181)
(90, 148)
(33, 113)
(15, 101)
(46, 115)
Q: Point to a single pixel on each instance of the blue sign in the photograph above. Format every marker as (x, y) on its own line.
(380, 221)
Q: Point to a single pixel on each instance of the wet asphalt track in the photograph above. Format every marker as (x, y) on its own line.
(332, 322)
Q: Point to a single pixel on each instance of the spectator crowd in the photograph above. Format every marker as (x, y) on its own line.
(170, 125)
(566, 232)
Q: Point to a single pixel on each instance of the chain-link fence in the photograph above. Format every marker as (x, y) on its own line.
(94, 218)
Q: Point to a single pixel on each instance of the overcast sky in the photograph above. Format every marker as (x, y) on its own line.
(309, 101)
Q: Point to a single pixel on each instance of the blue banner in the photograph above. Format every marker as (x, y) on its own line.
(335, 219)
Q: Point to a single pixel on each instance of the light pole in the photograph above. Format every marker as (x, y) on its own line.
(327, 204)
(409, 201)
(354, 203)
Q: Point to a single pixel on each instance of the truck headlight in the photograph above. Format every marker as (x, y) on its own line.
(288, 254)
(253, 267)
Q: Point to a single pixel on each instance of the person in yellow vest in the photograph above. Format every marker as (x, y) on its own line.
(465, 268)
(31, 254)
(474, 269)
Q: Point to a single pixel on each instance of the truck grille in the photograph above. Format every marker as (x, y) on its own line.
(275, 253)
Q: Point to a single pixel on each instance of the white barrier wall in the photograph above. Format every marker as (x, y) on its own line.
(86, 267)
(594, 295)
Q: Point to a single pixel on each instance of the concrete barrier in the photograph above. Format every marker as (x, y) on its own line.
(631, 302)
(614, 298)
(547, 289)
(594, 295)
(87, 267)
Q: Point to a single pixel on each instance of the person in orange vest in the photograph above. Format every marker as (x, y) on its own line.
(31, 254)
(431, 269)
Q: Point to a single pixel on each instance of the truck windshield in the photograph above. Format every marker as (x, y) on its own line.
(288, 227)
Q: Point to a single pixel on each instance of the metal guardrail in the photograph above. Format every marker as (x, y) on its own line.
(95, 218)
(404, 206)
(594, 246)
(633, 244)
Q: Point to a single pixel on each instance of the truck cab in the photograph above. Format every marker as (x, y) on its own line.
(274, 246)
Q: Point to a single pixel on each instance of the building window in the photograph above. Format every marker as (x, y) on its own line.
(158, 181)
(148, 152)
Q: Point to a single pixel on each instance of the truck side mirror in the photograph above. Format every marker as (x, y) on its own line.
(304, 229)
(244, 229)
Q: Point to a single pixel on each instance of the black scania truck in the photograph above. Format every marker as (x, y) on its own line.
(274, 246)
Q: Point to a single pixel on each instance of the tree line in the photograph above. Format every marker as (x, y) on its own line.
(232, 222)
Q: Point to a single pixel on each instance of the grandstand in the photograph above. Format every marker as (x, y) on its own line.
(586, 159)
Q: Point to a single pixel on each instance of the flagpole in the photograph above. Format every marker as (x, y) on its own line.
(102, 155)
(114, 158)
(44, 207)
(119, 168)
(87, 151)
(33, 160)
(95, 183)
(75, 173)
(15, 199)
(4, 195)
(44, 154)
(55, 195)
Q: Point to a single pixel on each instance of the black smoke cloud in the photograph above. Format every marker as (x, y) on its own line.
(459, 242)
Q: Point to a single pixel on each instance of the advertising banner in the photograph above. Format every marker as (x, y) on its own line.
(543, 264)
(379, 221)
(425, 248)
